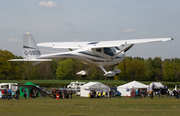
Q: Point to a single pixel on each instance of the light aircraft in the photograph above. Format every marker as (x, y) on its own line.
(96, 53)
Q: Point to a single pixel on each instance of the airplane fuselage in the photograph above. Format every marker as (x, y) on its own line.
(88, 56)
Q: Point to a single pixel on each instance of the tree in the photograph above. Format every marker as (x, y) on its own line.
(65, 69)
(168, 71)
(8, 70)
(45, 70)
(154, 69)
(134, 70)
(28, 71)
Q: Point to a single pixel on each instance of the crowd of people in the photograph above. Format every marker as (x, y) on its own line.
(62, 93)
(96, 94)
(135, 93)
(100, 94)
(9, 94)
(141, 94)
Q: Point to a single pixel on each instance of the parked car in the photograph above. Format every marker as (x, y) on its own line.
(117, 93)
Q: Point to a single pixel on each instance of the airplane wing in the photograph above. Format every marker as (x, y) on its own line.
(38, 60)
(100, 44)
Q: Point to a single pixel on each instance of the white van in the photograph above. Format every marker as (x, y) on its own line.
(8, 86)
(75, 85)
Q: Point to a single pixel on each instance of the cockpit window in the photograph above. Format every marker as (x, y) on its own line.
(108, 51)
(98, 49)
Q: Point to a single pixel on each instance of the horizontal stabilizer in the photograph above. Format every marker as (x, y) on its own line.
(31, 60)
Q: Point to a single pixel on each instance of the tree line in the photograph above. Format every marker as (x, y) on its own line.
(136, 68)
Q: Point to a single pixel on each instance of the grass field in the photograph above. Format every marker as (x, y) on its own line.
(79, 106)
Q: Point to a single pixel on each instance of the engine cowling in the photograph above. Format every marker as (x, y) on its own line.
(117, 71)
(82, 73)
(110, 74)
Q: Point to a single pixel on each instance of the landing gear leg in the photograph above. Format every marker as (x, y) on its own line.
(109, 74)
(88, 69)
(103, 69)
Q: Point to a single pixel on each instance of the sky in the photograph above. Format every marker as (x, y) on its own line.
(93, 20)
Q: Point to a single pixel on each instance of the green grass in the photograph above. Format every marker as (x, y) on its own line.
(96, 107)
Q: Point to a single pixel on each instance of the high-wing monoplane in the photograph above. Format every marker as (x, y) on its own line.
(96, 53)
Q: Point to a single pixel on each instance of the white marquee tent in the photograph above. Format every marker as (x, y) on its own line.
(155, 85)
(126, 88)
(85, 89)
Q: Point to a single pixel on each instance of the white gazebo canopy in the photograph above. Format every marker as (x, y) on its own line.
(126, 88)
(85, 89)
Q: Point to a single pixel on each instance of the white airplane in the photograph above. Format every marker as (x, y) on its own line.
(97, 53)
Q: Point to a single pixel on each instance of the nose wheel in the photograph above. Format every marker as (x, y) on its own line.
(83, 73)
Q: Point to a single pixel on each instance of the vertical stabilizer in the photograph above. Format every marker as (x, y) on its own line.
(30, 49)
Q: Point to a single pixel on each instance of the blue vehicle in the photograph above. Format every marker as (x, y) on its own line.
(117, 93)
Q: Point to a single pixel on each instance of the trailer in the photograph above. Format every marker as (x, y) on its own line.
(11, 86)
(75, 85)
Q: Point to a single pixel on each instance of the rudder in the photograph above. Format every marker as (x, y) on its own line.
(30, 49)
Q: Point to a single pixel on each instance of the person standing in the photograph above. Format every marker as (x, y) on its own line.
(95, 94)
(13, 95)
(90, 93)
(110, 92)
(152, 94)
(25, 94)
(106, 94)
(2, 94)
(136, 93)
(67, 94)
(140, 93)
(131, 93)
(170, 93)
(71, 94)
(6, 91)
(34, 91)
(101, 93)
(98, 94)
(159, 93)
(17, 94)
(9, 93)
